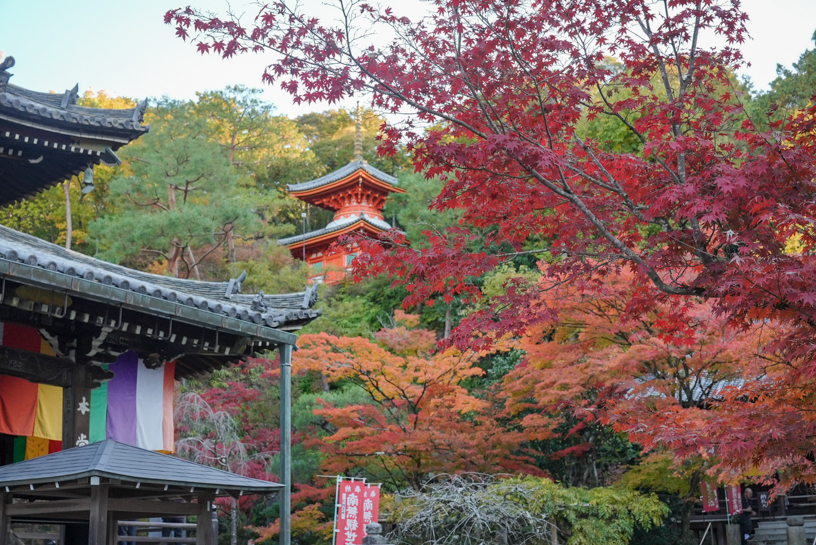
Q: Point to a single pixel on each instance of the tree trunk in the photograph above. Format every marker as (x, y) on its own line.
(175, 249)
(193, 263)
(230, 233)
(233, 521)
(448, 320)
(688, 506)
(69, 224)
(173, 259)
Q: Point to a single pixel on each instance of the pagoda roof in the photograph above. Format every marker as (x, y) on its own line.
(343, 173)
(46, 138)
(214, 306)
(339, 227)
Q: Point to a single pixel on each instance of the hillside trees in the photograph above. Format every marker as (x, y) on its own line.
(790, 92)
(706, 209)
(179, 196)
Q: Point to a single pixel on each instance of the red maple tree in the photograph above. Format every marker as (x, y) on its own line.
(496, 91)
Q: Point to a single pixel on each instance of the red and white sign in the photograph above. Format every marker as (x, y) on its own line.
(733, 493)
(710, 500)
(358, 504)
(371, 504)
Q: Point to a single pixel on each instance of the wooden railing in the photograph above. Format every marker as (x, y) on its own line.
(156, 526)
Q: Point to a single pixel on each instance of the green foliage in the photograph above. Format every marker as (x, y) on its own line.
(179, 195)
(791, 91)
(306, 457)
(356, 310)
(412, 208)
(330, 135)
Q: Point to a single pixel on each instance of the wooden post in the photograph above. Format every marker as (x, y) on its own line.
(204, 525)
(5, 520)
(76, 410)
(98, 519)
(113, 528)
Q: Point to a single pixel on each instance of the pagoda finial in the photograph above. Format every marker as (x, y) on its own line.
(358, 133)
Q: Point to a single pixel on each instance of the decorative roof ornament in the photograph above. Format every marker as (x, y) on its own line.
(358, 133)
(258, 303)
(7, 63)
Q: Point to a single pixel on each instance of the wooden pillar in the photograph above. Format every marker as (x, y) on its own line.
(5, 520)
(76, 410)
(113, 528)
(204, 525)
(98, 520)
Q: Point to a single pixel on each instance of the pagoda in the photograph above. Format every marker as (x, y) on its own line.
(356, 193)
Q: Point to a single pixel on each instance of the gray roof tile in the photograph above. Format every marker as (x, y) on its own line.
(326, 230)
(217, 297)
(120, 461)
(341, 173)
(54, 107)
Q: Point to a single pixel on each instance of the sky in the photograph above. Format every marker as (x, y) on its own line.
(124, 48)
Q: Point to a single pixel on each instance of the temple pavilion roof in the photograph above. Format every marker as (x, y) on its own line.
(344, 172)
(202, 325)
(338, 227)
(220, 299)
(45, 138)
(126, 464)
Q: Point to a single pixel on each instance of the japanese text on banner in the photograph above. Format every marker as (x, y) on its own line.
(349, 517)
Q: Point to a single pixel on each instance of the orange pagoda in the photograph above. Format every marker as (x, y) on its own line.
(356, 193)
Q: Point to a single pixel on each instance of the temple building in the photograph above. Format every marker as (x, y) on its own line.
(356, 193)
(89, 350)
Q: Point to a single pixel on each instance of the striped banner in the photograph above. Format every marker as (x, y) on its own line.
(135, 407)
(140, 404)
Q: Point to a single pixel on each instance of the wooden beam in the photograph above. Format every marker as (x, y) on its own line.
(204, 525)
(98, 519)
(48, 507)
(34, 367)
(152, 507)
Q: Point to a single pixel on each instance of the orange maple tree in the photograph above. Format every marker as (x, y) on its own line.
(419, 417)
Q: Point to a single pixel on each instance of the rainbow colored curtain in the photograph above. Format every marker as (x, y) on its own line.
(135, 407)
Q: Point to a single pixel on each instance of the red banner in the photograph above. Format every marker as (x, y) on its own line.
(371, 504)
(349, 530)
(710, 500)
(358, 504)
(733, 494)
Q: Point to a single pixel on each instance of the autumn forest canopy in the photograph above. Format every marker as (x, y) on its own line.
(601, 286)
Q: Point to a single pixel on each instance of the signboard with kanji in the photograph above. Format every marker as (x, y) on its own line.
(710, 500)
(733, 496)
(358, 504)
(371, 504)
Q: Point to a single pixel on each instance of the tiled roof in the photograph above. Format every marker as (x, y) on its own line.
(114, 460)
(220, 298)
(63, 110)
(46, 138)
(334, 227)
(341, 173)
